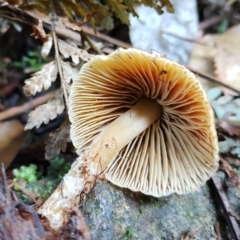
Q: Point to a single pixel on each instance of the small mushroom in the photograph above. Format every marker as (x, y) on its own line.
(145, 121)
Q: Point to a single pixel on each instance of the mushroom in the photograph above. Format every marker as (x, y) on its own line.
(145, 121)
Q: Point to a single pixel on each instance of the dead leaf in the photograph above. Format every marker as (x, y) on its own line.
(47, 45)
(38, 32)
(233, 176)
(71, 50)
(227, 70)
(42, 79)
(58, 140)
(88, 18)
(202, 57)
(69, 71)
(230, 129)
(76, 224)
(18, 220)
(11, 139)
(21, 186)
(70, 25)
(46, 112)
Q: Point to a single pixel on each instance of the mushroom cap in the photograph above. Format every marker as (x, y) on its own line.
(178, 152)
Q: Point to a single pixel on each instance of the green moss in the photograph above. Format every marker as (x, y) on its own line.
(190, 214)
(42, 186)
(129, 234)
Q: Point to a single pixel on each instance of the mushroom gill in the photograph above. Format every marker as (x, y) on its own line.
(177, 152)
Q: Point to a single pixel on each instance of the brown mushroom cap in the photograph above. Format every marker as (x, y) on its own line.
(178, 152)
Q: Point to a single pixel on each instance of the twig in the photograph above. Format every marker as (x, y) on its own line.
(20, 185)
(91, 44)
(218, 231)
(212, 79)
(14, 111)
(226, 207)
(185, 38)
(57, 57)
(190, 234)
(5, 186)
(233, 161)
(211, 21)
(105, 37)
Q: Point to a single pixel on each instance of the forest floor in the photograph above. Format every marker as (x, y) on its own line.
(35, 161)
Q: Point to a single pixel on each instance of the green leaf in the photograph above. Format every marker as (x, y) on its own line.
(79, 10)
(119, 10)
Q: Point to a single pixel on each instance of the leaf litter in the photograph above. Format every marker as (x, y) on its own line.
(46, 112)
(57, 140)
(42, 79)
(227, 69)
(71, 50)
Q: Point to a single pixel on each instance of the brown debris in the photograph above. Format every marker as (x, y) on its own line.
(21, 185)
(76, 228)
(14, 111)
(218, 231)
(38, 32)
(233, 176)
(46, 112)
(17, 220)
(225, 206)
(58, 140)
(190, 235)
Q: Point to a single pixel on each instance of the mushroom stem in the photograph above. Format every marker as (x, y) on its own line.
(123, 130)
(85, 170)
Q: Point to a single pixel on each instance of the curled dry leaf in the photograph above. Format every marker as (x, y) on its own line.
(57, 140)
(88, 18)
(234, 179)
(227, 69)
(42, 79)
(71, 50)
(38, 32)
(11, 139)
(46, 112)
(69, 71)
(47, 46)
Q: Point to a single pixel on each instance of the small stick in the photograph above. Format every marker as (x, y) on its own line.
(212, 79)
(193, 40)
(226, 207)
(211, 21)
(91, 44)
(59, 64)
(14, 111)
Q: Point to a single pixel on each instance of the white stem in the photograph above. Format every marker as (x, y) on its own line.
(123, 130)
(84, 171)
(80, 178)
